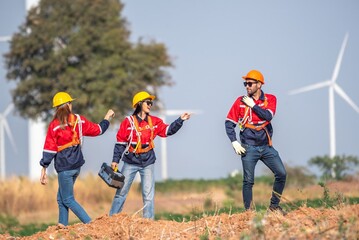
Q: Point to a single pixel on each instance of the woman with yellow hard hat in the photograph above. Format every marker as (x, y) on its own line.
(135, 147)
(63, 144)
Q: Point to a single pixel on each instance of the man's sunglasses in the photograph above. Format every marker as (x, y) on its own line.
(149, 102)
(249, 84)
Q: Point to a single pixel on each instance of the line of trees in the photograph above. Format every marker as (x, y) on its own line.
(341, 165)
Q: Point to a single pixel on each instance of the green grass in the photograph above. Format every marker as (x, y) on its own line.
(10, 225)
(195, 214)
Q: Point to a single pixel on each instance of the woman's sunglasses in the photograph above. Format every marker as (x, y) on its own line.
(149, 102)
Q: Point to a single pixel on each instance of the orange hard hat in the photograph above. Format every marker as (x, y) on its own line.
(255, 75)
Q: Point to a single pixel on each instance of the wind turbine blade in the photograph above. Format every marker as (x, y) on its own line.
(340, 58)
(5, 38)
(310, 87)
(8, 109)
(180, 112)
(9, 134)
(341, 93)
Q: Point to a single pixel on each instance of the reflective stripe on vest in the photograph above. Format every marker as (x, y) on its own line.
(75, 139)
(138, 149)
(244, 123)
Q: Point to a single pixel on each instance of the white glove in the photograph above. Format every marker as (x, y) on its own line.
(248, 101)
(238, 148)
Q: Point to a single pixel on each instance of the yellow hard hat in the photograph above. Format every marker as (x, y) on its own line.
(61, 98)
(140, 96)
(255, 75)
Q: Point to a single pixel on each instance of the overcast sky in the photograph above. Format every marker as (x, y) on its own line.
(214, 43)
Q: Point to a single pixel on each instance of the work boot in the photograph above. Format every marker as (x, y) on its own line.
(277, 209)
(60, 226)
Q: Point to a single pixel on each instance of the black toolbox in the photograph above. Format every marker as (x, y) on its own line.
(112, 178)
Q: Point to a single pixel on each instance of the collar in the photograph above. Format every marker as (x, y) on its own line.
(262, 97)
(140, 119)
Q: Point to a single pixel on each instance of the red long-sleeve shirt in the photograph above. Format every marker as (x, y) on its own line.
(263, 111)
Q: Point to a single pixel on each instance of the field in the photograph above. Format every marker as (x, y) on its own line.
(184, 210)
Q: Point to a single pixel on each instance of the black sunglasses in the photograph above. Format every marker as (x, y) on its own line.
(149, 102)
(249, 84)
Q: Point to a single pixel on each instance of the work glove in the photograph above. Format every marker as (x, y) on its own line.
(248, 101)
(238, 148)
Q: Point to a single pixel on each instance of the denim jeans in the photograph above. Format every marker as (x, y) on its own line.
(65, 197)
(270, 157)
(147, 185)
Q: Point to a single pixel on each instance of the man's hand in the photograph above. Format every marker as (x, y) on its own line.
(248, 101)
(238, 148)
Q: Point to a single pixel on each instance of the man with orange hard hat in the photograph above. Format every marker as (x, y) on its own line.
(253, 113)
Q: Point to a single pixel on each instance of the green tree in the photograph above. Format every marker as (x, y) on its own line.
(340, 165)
(81, 47)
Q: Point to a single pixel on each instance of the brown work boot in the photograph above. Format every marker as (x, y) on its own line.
(60, 226)
(277, 209)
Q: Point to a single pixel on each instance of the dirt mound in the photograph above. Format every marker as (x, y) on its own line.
(304, 223)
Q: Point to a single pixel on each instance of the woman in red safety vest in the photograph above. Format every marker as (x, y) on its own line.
(63, 143)
(135, 147)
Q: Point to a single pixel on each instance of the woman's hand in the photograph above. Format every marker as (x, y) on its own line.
(114, 166)
(109, 115)
(43, 178)
(185, 116)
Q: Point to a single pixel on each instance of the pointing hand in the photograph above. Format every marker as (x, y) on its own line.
(185, 116)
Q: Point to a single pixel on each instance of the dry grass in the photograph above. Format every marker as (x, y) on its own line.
(32, 202)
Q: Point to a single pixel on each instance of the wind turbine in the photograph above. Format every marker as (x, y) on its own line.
(4, 128)
(36, 130)
(333, 87)
(162, 114)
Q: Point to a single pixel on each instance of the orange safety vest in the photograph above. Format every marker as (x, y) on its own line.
(138, 149)
(245, 123)
(75, 139)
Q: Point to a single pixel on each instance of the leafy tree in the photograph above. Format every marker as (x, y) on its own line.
(340, 165)
(81, 47)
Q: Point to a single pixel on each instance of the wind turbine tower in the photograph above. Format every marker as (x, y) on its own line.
(333, 87)
(36, 130)
(163, 113)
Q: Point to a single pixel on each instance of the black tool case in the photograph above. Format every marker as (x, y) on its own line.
(112, 178)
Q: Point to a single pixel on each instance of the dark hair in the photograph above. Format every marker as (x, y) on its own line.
(137, 109)
(62, 114)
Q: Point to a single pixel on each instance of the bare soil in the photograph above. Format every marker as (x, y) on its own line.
(304, 223)
(341, 222)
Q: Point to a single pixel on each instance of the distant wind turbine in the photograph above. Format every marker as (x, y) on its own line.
(333, 87)
(162, 114)
(4, 128)
(5, 38)
(36, 128)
